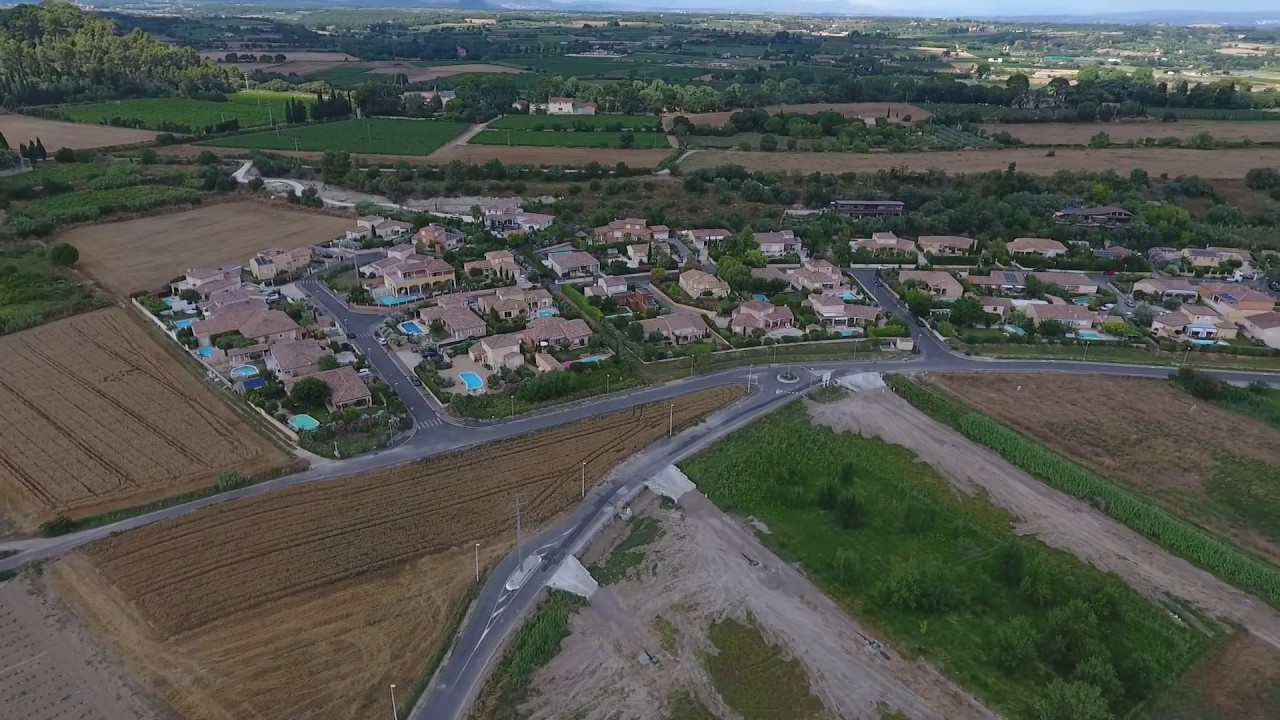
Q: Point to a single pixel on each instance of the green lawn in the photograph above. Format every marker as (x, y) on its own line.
(570, 122)
(252, 108)
(33, 291)
(547, 138)
(377, 136)
(943, 574)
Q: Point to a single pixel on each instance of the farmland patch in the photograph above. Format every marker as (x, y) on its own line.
(576, 139)
(889, 110)
(418, 73)
(480, 154)
(146, 253)
(334, 575)
(251, 108)
(54, 134)
(400, 136)
(1240, 680)
(1080, 133)
(96, 418)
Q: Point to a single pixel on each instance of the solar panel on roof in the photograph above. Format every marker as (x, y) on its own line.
(1203, 253)
(1228, 297)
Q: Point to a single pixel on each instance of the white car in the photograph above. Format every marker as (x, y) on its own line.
(382, 341)
(1108, 307)
(363, 372)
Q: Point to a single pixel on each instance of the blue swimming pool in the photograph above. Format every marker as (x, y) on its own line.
(303, 422)
(760, 296)
(1093, 335)
(393, 300)
(411, 328)
(1200, 341)
(244, 371)
(548, 312)
(1082, 300)
(183, 323)
(205, 352)
(471, 380)
(1014, 330)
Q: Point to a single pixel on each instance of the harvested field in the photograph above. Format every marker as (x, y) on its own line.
(147, 253)
(348, 579)
(1079, 133)
(56, 134)
(1210, 164)
(1189, 456)
(51, 666)
(96, 417)
(478, 154)
(422, 74)
(895, 112)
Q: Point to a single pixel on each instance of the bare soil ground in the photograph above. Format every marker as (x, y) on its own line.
(694, 575)
(1140, 432)
(52, 668)
(56, 134)
(1241, 681)
(146, 253)
(893, 111)
(95, 417)
(474, 154)
(309, 602)
(1079, 133)
(1055, 518)
(1209, 164)
(422, 74)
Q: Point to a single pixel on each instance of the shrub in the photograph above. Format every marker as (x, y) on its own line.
(60, 525)
(64, 255)
(230, 479)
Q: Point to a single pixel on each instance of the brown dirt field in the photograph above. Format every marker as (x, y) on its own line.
(1079, 133)
(331, 575)
(478, 154)
(1241, 681)
(94, 417)
(56, 134)
(1143, 433)
(422, 74)
(146, 253)
(717, 119)
(51, 666)
(1209, 164)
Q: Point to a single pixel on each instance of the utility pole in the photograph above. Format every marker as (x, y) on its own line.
(477, 562)
(395, 712)
(671, 419)
(584, 479)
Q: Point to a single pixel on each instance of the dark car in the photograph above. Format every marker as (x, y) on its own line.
(417, 381)
(920, 321)
(1274, 286)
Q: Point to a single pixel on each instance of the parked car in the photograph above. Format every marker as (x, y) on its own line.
(1109, 273)
(382, 341)
(1130, 302)
(417, 381)
(1274, 285)
(364, 372)
(1108, 307)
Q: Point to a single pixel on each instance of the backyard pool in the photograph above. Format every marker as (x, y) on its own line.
(1093, 335)
(471, 380)
(1202, 341)
(205, 352)
(303, 422)
(183, 323)
(1081, 300)
(244, 371)
(411, 328)
(393, 300)
(1014, 330)
(548, 312)
(761, 297)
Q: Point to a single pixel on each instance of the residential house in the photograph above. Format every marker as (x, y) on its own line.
(944, 244)
(369, 222)
(1165, 287)
(706, 238)
(233, 296)
(1077, 317)
(574, 264)
(250, 320)
(377, 227)
(834, 312)
(624, 230)
(759, 315)
(778, 244)
(661, 233)
(568, 106)
(295, 358)
(772, 273)
(1115, 252)
(702, 284)
(999, 282)
(816, 276)
(458, 321)
(640, 300)
(677, 328)
(1235, 301)
(1264, 327)
(999, 306)
(1193, 322)
(496, 263)
(941, 285)
(556, 332)
(1096, 216)
(406, 273)
(393, 229)
(1073, 283)
(867, 208)
(1206, 260)
(438, 239)
(637, 255)
(510, 303)
(1036, 246)
(497, 352)
(885, 243)
(607, 286)
(519, 221)
(346, 388)
(206, 281)
(269, 264)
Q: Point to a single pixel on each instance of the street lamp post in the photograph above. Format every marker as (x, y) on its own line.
(1086, 353)
(671, 419)
(477, 562)
(395, 712)
(606, 383)
(584, 479)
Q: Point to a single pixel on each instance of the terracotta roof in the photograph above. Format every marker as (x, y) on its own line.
(955, 242)
(1265, 321)
(1031, 244)
(344, 384)
(293, 355)
(1068, 312)
(676, 325)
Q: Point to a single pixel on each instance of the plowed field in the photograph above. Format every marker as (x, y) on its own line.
(310, 601)
(56, 134)
(94, 417)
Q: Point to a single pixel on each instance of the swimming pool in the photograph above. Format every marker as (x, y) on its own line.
(548, 312)
(1081, 300)
(205, 352)
(412, 328)
(1093, 335)
(1014, 330)
(392, 300)
(760, 296)
(183, 323)
(244, 371)
(303, 422)
(1201, 341)
(471, 380)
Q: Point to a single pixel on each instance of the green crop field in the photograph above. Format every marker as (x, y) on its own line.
(253, 108)
(595, 139)
(377, 136)
(346, 75)
(604, 68)
(1026, 628)
(577, 122)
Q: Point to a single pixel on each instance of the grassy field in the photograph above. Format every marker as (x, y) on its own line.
(34, 291)
(604, 68)
(252, 108)
(754, 678)
(1238, 681)
(1018, 624)
(590, 139)
(399, 137)
(570, 122)
(537, 641)
(628, 555)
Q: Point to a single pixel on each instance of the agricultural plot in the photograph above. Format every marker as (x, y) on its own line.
(890, 110)
(146, 253)
(604, 68)
(34, 291)
(400, 137)
(422, 72)
(55, 135)
(1226, 480)
(577, 139)
(577, 122)
(352, 580)
(1080, 133)
(253, 108)
(479, 154)
(96, 417)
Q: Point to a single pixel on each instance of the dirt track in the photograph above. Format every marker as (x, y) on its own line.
(1056, 519)
(695, 574)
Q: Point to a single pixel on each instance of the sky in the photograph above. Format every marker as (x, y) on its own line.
(1073, 7)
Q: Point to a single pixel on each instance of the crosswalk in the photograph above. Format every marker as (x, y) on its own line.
(433, 422)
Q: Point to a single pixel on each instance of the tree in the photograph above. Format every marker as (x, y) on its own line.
(64, 255)
(1143, 315)
(1052, 328)
(1018, 83)
(850, 511)
(309, 393)
(754, 258)
(66, 155)
(1013, 644)
(967, 312)
(627, 139)
(1064, 700)
(4, 144)
(327, 362)
(768, 143)
(335, 164)
(230, 479)
(189, 295)
(732, 271)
